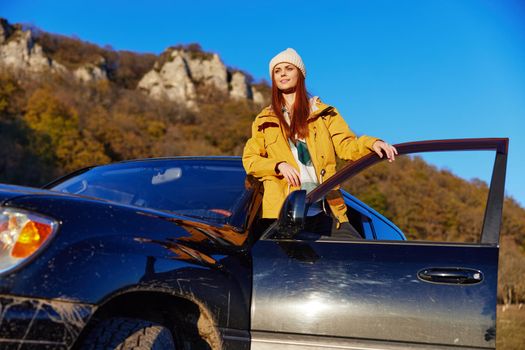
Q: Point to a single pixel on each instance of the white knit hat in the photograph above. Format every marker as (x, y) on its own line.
(289, 56)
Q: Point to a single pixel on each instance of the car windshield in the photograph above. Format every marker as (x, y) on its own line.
(209, 189)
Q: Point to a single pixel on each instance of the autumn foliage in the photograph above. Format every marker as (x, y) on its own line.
(58, 125)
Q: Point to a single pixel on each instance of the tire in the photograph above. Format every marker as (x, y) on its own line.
(128, 334)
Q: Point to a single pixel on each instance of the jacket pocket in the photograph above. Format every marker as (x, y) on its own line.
(270, 136)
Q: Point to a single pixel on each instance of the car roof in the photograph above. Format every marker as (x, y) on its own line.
(233, 158)
(236, 159)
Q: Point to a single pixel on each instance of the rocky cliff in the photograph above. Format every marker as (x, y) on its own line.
(19, 50)
(179, 71)
(176, 74)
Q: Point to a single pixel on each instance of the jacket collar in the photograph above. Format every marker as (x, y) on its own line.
(267, 112)
(320, 108)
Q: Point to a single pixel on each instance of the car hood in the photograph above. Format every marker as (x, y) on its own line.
(66, 207)
(8, 192)
(11, 191)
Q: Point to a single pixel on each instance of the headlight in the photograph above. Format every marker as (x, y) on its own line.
(21, 234)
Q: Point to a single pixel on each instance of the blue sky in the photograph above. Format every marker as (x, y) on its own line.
(401, 70)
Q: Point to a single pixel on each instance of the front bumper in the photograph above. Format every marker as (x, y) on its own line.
(29, 323)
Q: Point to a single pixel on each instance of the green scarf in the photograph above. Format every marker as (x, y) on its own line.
(302, 153)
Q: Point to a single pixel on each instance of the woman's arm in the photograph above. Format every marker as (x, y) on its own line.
(350, 147)
(255, 156)
(346, 144)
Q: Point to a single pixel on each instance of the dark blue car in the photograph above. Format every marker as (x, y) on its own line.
(172, 254)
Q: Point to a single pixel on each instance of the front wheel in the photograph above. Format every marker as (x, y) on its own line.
(128, 334)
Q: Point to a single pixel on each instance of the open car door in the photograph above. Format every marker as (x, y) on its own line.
(378, 294)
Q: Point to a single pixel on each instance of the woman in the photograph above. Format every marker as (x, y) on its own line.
(294, 145)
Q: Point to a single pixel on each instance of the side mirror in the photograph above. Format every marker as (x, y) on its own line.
(292, 215)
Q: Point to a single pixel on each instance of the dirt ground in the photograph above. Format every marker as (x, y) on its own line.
(510, 328)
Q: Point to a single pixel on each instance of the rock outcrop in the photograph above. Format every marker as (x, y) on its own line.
(177, 76)
(19, 50)
(239, 86)
(171, 81)
(258, 97)
(210, 72)
(92, 71)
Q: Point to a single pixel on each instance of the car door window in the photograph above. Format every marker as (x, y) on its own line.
(428, 200)
(368, 221)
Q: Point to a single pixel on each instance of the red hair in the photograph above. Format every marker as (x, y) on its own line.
(298, 127)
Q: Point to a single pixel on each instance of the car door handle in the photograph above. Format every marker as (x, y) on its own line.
(451, 275)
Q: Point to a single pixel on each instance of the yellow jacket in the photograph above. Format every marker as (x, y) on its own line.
(328, 136)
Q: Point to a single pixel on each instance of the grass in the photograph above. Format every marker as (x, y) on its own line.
(510, 328)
